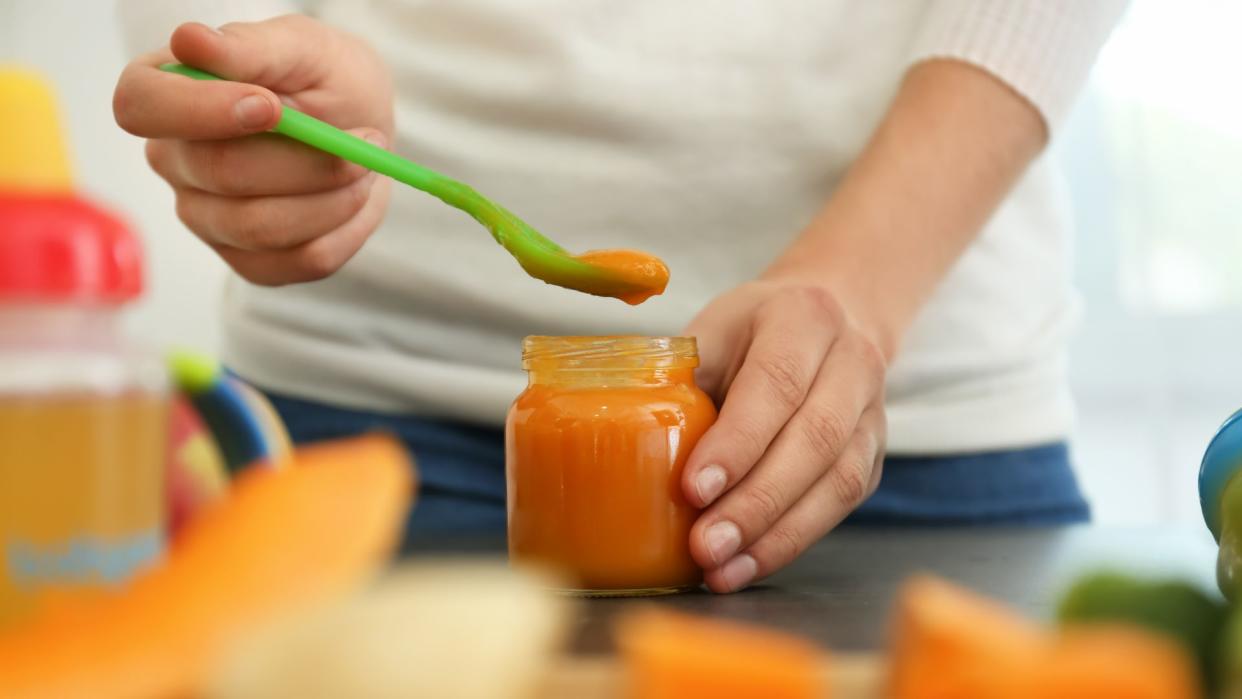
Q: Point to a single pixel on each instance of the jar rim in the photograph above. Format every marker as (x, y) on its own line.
(595, 352)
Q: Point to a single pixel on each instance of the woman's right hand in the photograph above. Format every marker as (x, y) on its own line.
(277, 211)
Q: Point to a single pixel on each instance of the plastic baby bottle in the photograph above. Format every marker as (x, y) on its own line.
(82, 415)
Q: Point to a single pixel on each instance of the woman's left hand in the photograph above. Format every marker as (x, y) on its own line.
(800, 438)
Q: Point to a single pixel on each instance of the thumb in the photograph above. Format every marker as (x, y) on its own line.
(284, 54)
(717, 356)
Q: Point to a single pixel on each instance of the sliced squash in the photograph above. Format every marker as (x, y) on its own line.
(1171, 607)
(280, 542)
(1116, 661)
(670, 655)
(950, 643)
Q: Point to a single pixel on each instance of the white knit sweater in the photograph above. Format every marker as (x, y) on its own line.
(706, 132)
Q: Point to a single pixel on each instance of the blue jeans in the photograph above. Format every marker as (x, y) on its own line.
(462, 472)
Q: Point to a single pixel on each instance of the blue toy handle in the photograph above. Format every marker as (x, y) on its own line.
(1221, 461)
(245, 427)
(1220, 497)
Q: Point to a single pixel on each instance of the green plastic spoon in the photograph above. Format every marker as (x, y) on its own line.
(628, 275)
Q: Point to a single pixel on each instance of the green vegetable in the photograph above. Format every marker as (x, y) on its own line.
(1171, 607)
(1231, 657)
(1229, 560)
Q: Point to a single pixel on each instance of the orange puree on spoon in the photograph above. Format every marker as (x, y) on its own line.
(630, 275)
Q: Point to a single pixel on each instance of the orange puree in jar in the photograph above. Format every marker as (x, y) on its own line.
(595, 449)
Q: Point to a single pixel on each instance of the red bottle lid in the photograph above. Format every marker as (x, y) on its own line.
(56, 248)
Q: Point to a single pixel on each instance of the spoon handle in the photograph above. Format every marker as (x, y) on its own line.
(326, 137)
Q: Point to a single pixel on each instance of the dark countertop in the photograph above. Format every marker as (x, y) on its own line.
(841, 590)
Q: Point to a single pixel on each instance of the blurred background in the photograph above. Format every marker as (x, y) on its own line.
(1151, 154)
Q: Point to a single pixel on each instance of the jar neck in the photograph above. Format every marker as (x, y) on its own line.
(54, 325)
(612, 378)
(619, 360)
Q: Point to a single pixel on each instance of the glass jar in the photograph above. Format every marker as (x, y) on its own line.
(595, 447)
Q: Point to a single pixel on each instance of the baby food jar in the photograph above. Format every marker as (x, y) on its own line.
(82, 416)
(595, 447)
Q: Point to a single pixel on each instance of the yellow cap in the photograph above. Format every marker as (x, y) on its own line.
(32, 147)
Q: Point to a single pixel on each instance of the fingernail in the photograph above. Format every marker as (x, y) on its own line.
(723, 540)
(376, 138)
(214, 30)
(710, 484)
(738, 572)
(253, 111)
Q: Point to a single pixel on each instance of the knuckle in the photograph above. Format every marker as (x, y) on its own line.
(358, 195)
(761, 501)
(341, 172)
(216, 167)
(871, 356)
(243, 272)
(784, 375)
(880, 434)
(296, 21)
(252, 227)
(749, 436)
(246, 31)
(783, 544)
(315, 262)
(267, 35)
(823, 305)
(825, 430)
(158, 154)
(254, 275)
(124, 109)
(187, 213)
(248, 267)
(260, 274)
(850, 481)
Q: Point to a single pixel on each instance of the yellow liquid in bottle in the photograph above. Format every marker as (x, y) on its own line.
(81, 492)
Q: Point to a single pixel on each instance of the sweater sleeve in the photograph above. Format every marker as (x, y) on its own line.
(146, 26)
(1043, 49)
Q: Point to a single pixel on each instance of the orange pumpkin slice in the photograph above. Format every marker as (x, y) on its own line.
(953, 644)
(282, 541)
(950, 643)
(1118, 662)
(669, 655)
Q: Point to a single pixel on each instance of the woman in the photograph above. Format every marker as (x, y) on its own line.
(863, 236)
